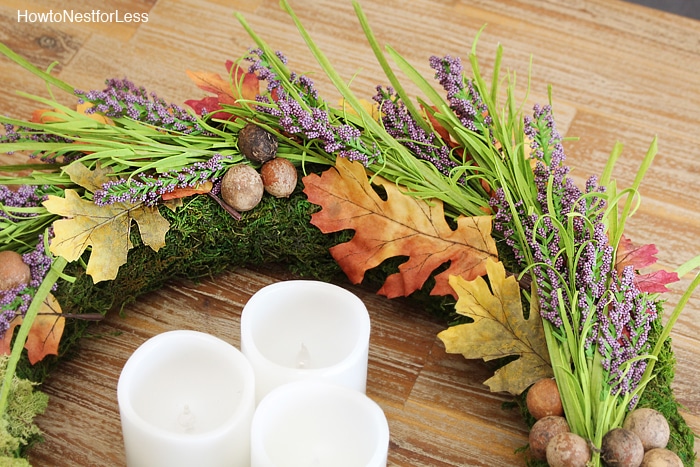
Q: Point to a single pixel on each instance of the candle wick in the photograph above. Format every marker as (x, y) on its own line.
(303, 357)
(186, 420)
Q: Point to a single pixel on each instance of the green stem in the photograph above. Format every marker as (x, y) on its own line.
(381, 58)
(42, 292)
(666, 332)
(23, 62)
(626, 210)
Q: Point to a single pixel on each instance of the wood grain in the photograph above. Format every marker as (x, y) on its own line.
(619, 72)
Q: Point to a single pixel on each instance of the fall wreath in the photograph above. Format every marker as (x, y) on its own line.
(456, 199)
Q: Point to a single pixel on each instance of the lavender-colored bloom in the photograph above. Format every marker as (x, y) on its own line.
(14, 134)
(16, 301)
(122, 98)
(303, 114)
(400, 124)
(619, 315)
(23, 197)
(463, 98)
(148, 189)
(622, 330)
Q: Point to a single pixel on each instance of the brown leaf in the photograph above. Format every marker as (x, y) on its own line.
(44, 335)
(499, 330)
(400, 226)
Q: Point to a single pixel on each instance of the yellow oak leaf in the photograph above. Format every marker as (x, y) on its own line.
(104, 228)
(499, 330)
(44, 335)
(400, 225)
(370, 107)
(91, 180)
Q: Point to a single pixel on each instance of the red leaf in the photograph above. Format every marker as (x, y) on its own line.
(655, 282)
(629, 254)
(206, 105)
(177, 193)
(242, 85)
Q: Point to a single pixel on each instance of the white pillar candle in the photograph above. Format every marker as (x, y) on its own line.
(317, 424)
(186, 398)
(300, 329)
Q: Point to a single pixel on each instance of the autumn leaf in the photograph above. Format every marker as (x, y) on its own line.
(91, 180)
(639, 257)
(499, 330)
(53, 115)
(44, 335)
(372, 108)
(402, 225)
(104, 228)
(200, 189)
(225, 91)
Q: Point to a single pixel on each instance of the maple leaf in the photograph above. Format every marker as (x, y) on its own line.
(91, 180)
(402, 225)
(105, 228)
(629, 254)
(499, 330)
(44, 335)
(225, 91)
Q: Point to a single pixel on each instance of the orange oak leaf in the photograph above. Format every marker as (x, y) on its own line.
(53, 115)
(201, 189)
(242, 85)
(44, 335)
(629, 254)
(401, 225)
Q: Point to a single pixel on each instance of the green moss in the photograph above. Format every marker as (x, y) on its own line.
(17, 428)
(204, 241)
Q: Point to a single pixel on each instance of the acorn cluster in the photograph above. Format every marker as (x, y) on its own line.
(640, 442)
(242, 187)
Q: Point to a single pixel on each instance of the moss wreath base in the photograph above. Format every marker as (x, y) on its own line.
(277, 232)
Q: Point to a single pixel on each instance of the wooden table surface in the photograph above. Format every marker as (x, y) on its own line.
(619, 72)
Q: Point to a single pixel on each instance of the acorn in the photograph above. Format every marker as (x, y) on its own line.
(650, 425)
(621, 448)
(279, 177)
(257, 144)
(661, 457)
(242, 187)
(543, 399)
(13, 270)
(543, 431)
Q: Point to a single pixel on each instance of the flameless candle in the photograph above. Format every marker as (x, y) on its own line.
(301, 329)
(314, 423)
(186, 398)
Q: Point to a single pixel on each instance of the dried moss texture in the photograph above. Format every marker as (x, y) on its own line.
(204, 240)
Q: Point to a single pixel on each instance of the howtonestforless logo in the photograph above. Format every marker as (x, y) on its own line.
(71, 16)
